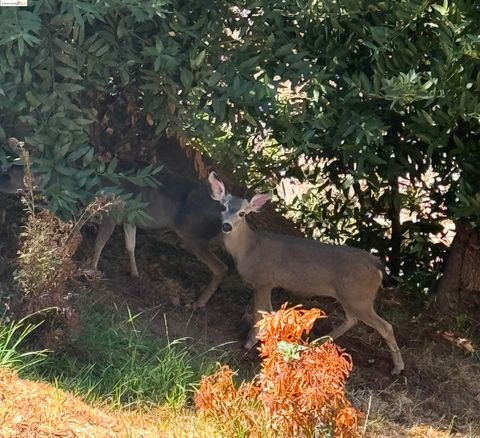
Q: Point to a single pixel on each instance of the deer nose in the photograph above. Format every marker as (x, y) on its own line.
(226, 227)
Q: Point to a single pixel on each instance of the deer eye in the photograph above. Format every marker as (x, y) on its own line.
(241, 213)
(223, 207)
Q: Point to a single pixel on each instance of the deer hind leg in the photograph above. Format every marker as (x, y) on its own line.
(262, 301)
(130, 242)
(104, 232)
(350, 321)
(202, 251)
(385, 329)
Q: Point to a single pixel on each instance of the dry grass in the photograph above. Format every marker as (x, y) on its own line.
(438, 397)
(32, 409)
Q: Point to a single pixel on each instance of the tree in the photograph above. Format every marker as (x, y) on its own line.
(363, 100)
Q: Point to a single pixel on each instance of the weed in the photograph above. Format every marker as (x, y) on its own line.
(44, 263)
(12, 335)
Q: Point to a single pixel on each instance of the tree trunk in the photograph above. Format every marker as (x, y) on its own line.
(459, 286)
(396, 238)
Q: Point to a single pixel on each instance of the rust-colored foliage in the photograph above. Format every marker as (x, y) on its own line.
(236, 408)
(300, 390)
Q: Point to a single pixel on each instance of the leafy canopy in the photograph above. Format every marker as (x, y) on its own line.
(346, 95)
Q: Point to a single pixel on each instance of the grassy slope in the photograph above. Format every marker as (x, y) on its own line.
(35, 409)
(116, 380)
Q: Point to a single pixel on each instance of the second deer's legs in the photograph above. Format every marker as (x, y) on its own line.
(202, 251)
(104, 232)
(130, 242)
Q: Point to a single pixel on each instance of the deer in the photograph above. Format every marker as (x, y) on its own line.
(307, 268)
(180, 204)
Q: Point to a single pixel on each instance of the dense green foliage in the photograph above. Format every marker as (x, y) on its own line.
(347, 95)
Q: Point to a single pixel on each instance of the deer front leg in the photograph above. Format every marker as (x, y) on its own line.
(262, 301)
(203, 252)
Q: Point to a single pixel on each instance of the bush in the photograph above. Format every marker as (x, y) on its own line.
(300, 390)
(45, 264)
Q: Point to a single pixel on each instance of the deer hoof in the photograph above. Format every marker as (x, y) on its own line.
(250, 344)
(197, 305)
(397, 371)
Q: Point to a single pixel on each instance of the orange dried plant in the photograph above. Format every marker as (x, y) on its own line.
(300, 390)
(234, 410)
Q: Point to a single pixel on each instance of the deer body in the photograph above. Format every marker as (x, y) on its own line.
(302, 264)
(180, 204)
(304, 267)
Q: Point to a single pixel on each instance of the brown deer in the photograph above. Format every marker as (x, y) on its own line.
(180, 204)
(305, 267)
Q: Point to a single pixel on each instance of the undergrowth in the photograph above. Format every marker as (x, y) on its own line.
(12, 337)
(44, 262)
(118, 363)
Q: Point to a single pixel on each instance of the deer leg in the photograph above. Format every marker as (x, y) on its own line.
(346, 325)
(203, 252)
(385, 330)
(130, 241)
(104, 232)
(262, 302)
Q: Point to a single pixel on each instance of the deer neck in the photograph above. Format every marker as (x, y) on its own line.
(240, 240)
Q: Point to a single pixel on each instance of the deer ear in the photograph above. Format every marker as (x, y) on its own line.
(217, 188)
(258, 202)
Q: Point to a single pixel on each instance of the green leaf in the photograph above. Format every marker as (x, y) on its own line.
(70, 88)
(249, 63)
(21, 45)
(68, 73)
(428, 118)
(32, 100)
(219, 106)
(284, 50)
(186, 77)
(27, 74)
(216, 76)
(78, 153)
(198, 60)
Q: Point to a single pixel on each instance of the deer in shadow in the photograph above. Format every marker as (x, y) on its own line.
(179, 204)
(304, 267)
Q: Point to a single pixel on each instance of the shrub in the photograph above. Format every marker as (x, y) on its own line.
(300, 390)
(44, 263)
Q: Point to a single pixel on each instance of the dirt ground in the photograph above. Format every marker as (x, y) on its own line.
(438, 395)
